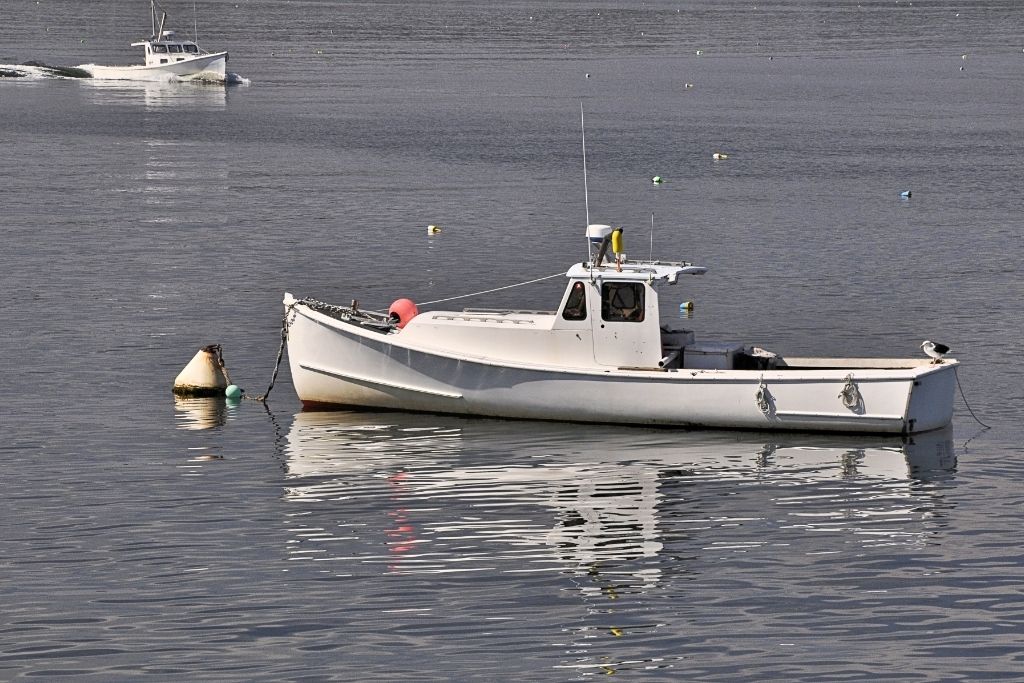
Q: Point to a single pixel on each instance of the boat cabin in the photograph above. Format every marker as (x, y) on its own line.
(608, 317)
(168, 49)
(616, 304)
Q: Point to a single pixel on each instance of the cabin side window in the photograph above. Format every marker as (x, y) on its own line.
(576, 304)
(622, 302)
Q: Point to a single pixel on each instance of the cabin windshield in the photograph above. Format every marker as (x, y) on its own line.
(576, 304)
(174, 48)
(622, 302)
(159, 48)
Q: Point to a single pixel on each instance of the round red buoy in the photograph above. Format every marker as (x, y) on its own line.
(402, 311)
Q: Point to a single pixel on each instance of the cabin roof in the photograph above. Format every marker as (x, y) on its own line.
(163, 41)
(636, 271)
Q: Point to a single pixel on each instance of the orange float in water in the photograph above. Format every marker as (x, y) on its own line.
(403, 310)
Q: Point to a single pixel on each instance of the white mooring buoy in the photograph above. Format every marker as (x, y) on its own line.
(204, 374)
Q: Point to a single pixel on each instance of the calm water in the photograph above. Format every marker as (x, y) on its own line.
(143, 538)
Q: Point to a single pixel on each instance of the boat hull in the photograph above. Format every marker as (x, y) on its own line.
(335, 363)
(210, 67)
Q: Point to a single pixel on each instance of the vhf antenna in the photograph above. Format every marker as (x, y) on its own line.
(586, 195)
(651, 257)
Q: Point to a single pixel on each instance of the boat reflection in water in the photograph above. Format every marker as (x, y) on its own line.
(450, 495)
(155, 95)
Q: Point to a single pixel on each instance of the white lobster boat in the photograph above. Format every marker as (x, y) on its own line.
(604, 356)
(167, 58)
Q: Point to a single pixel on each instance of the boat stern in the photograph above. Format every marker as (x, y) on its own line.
(930, 405)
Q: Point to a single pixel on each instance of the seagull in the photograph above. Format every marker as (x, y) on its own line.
(935, 350)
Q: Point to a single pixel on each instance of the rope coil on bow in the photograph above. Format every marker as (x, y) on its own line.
(850, 394)
(762, 397)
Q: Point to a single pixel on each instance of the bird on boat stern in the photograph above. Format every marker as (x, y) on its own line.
(935, 350)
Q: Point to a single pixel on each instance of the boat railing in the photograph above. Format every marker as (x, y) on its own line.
(505, 311)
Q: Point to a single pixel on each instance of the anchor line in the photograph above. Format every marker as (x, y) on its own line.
(280, 354)
(277, 364)
(969, 409)
(219, 352)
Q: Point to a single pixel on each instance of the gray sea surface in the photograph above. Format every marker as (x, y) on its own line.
(148, 538)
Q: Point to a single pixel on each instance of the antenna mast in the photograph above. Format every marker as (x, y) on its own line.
(583, 134)
(586, 194)
(651, 257)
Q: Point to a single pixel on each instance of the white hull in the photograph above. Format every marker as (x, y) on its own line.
(336, 363)
(210, 67)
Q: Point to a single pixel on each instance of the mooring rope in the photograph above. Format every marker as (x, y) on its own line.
(219, 356)
(280, 354)
(488, 291)
(957, 375)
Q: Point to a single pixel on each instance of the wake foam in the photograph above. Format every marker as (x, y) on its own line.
(37, 70)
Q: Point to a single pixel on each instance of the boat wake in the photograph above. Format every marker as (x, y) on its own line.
(38, 70)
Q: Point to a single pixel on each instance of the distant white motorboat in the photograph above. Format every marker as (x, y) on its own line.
(167, 58)
(603, 356)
